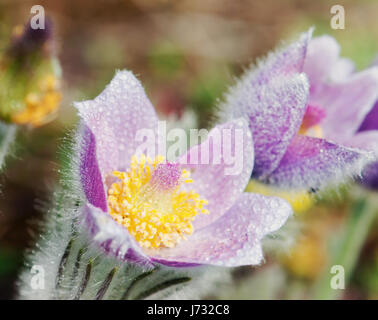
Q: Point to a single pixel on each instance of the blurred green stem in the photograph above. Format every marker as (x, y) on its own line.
(348, 247)
(7, 137)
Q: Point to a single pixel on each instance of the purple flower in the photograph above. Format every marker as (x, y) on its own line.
(370, 127)
(151, 210)
(352, 116)
(31, 40)
(304, 107)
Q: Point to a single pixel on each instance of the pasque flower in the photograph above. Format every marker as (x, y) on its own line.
(304, 106)
(369, 127)
(151, 210)
(30, 77)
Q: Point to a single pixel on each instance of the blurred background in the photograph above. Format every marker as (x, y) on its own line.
(186, 53)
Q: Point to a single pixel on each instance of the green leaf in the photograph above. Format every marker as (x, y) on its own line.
(348, 247)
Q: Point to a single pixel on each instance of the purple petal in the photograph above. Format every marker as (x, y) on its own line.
(113, 238)
(343, 68)
(275, 113)
(235, 239)
(217, 183)
(366, 140)
(368, 133)
(347, 103)
(286, 61)
(370, 176)
(114, 117)
(273, 98)
(371, 120)
(314, 163)
(90, 175)
(313, 116)
(322, 55)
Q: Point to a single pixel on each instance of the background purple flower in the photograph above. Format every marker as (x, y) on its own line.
(304, 107)
(370, 174)
(352, 116)
(230, 235)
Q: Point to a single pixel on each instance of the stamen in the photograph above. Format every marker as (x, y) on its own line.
(315, 131)
(41, 105)
(311, 120)
(166, 176)
(147, 200)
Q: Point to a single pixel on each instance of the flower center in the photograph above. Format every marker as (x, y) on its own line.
(311, 122)
(149, 202)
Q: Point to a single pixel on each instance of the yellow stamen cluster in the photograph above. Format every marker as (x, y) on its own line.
(156, 216)
(40, 106)
(315, 131)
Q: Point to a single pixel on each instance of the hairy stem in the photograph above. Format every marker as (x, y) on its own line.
(85, 280)
(105, 285)
(7, 137)
(133, 284)
(162, 286)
